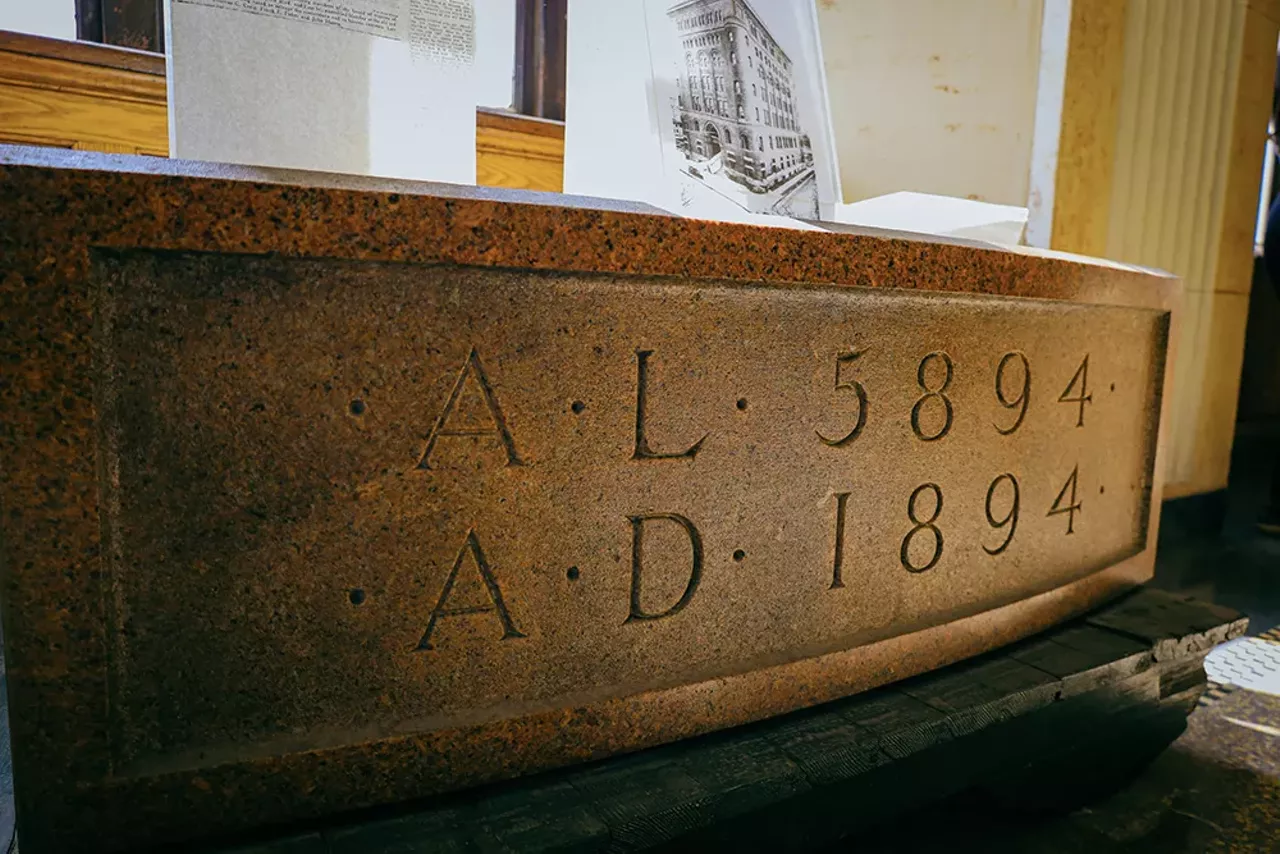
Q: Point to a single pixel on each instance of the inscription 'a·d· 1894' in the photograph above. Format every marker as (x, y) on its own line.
(923, 542)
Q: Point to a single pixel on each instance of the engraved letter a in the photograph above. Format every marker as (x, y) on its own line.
(472, 366)
(472, 544)
(637, 542)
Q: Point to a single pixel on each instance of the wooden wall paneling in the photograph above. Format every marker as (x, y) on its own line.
(519, 152)
(49, 100)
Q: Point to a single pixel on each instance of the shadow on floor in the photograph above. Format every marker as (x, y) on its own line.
(1216, 789)
(1241, 567)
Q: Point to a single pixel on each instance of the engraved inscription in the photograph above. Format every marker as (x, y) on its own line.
(844, 361)
(472, 547)
(637, 544)
(1023, 398)
(472, 367)
(531, 558)
(1072, 504)
(923, 525)
(1010, 518)
(939, 394)
(1081, 379)
(842, 498)
(643, 451)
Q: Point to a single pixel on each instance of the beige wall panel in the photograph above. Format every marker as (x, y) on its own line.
(936, 96)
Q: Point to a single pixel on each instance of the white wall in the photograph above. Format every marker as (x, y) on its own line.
(53, 18)
(495, 66)
(936, 96)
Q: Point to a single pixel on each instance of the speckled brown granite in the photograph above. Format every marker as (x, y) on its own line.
(320, 493)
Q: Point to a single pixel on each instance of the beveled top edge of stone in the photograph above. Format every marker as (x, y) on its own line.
(131, 164)
(136, 164)
(132, 201)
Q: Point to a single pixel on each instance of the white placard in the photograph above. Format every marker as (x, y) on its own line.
(372, 87)
(719, 113)
(55, 19)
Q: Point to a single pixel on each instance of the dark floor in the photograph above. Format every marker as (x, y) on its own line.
(1217, 788)
(1240, 568)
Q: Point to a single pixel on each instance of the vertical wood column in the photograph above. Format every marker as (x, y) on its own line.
(1163, 130)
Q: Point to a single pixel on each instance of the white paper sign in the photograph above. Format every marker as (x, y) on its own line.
(372, 87)
(720, 113)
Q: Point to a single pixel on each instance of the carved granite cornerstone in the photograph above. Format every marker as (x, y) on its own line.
(318, 493)
(442, 493)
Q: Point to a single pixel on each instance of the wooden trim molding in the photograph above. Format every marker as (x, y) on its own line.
(81, 96)
(84, 53)
(93, 97)
(61, 75)
(518, 151)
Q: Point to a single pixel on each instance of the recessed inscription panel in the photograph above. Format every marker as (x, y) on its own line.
(357, 500)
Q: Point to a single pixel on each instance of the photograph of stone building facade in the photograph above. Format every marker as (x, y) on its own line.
(736, 112)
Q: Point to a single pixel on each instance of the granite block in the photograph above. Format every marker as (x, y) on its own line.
(320, 493)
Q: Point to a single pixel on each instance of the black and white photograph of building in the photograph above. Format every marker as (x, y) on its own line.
(740, 103)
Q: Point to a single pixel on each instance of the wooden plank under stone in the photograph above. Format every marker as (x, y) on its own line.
(1107, 691)
(1175, 626)
(1084, 657)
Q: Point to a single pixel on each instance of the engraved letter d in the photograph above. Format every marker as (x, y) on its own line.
(637, 540)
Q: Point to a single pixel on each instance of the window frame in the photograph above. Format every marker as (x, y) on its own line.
(135, 24)
(541, 47)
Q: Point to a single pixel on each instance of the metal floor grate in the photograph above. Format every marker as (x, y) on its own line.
(1252, 663)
